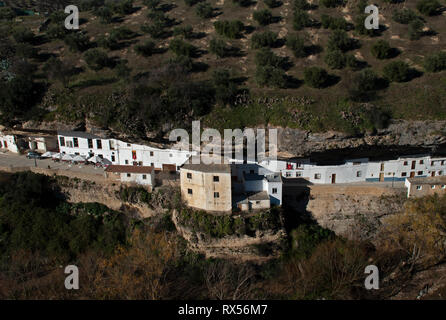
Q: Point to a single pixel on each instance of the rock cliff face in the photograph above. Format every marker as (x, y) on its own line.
(420, 134)
(354, 211)
(84, 191)
(241, 248)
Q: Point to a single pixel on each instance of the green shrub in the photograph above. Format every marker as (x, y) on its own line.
(435, 62)
(191, 3)
(56, 31)
(77, 41)
(96, 59)
(263, 17)
(333, 23)
(186, 32)
(428, 7)
(404, 16)
(270, 76)
(122, 33)
(301, 4)
(229, 29)
(22, 34)
(225, 89)
(152, 4)
(145, 49)
(264, 39)
(301, 19)
(335, 59)
(218, 47)
(156, 29)
(104, 14)
(415, 30)
(265, 57)
(272, 3)
(242, 3)
(397, 71)
(331, 3)
(204, 10)
(340, 40)
(296, 45)
(315, 77)
(381, 50)
(182, 48)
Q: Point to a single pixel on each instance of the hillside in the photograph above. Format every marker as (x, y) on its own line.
(144, 67)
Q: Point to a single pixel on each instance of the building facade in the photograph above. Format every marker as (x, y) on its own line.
(88, 145)
(207, 187)
(420, 187)
(139, 175)
(9, 142)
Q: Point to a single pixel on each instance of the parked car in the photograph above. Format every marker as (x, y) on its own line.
(33, 155)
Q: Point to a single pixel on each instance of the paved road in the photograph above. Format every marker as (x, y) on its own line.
(9, 159)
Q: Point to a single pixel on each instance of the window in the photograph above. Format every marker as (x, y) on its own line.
(134, 154)
(144, 177)
(420, 173)
(111, 144)
(113, 158)
(189, 191)
(432, 163)
(257, 202)
(152, 165)
(404, 174)
(298, 174)
(99, 144)
(170, 155)
(443, 186)
(151, 153)
(317, 175)
(442, 162)
(216, 195)
(76, 142)
(126, 162)
(433, 186)
(274, 190)
(419, 188)
(421, 161)
(358, 174)
(288, 174)
(90, 143)
(440, 173)
(128, 175)
(70, 144)
(405, 163)
(216, 178)
(129, 145)
(62, 141)
(189, 175)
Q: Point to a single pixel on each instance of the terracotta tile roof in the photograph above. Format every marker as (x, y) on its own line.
(129, 169)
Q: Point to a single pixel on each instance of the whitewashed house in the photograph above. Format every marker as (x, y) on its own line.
(159, 159)
(9, 142)
(139, 175)
(88, 145)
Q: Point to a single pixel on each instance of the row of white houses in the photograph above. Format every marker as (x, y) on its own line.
(360, 170)
(121, 153)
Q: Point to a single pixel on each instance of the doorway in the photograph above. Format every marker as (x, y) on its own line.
(412, 174)
(333, 178)
(413, 165)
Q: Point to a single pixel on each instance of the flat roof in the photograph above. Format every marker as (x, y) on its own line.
(273, 177)
(79, 134)
(262, 195)
(217, 168)
(129, 169)
(428, 180)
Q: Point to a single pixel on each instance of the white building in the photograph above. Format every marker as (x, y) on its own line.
(159, 159)
(132, 175)
(88, 145)
(9, 142)
(358, 170)
(42, 143)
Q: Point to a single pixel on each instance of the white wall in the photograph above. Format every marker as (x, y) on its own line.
(10, 142)
(138, 178)
(108, 150)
